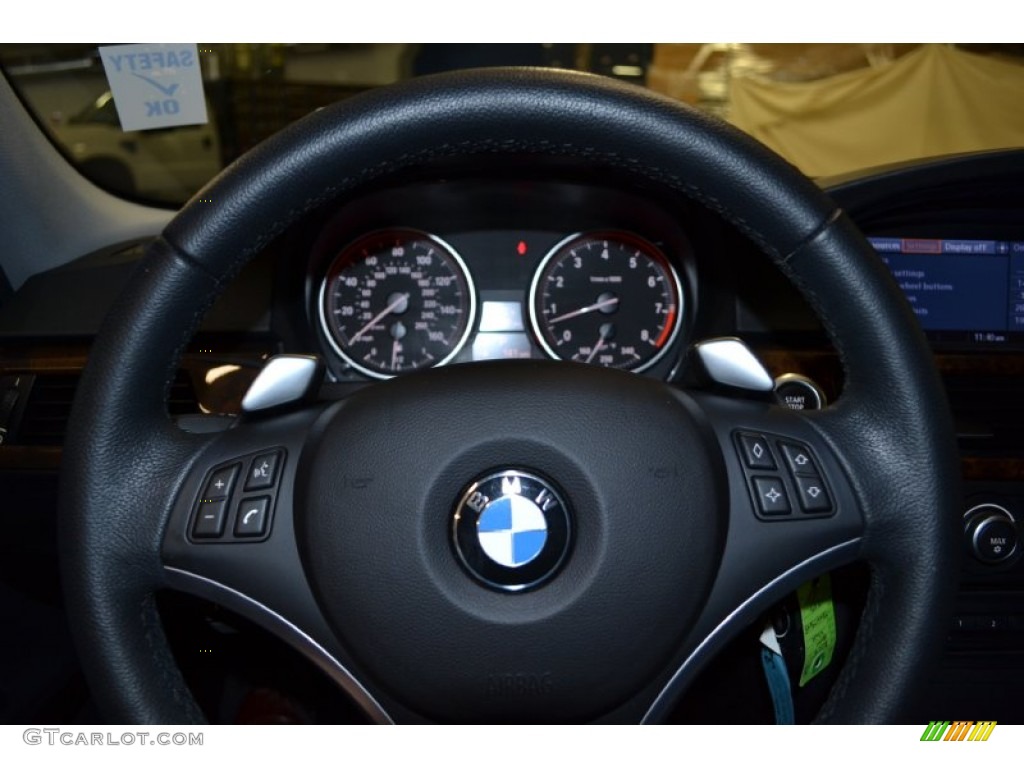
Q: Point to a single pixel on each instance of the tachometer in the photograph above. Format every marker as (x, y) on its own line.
(397, 300)
(606, 298)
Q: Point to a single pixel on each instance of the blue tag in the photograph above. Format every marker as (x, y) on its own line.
(778, 678)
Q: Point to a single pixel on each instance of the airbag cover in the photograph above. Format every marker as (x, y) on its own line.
(375, 519)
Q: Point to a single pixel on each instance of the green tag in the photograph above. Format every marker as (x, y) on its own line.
(818, 618)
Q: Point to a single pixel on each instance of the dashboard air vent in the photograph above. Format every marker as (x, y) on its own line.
(45, 419)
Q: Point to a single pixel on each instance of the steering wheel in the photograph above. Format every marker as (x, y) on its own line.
(660, 536)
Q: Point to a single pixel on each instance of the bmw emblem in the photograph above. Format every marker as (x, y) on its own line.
(511, 530)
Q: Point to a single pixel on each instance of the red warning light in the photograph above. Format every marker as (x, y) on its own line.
(521, 248)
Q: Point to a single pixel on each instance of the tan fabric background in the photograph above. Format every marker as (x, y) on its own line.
(933, 101)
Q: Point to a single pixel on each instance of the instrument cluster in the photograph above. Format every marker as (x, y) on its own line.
(403, 290)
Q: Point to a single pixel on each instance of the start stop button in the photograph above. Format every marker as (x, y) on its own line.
(799, 393)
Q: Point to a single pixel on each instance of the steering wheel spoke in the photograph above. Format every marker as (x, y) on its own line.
(790, 499)
(232, 519)
(231, 540)
(792, 516)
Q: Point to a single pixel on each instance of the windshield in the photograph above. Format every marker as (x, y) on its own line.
(827, 108)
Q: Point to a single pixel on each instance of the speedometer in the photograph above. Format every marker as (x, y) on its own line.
(397, 300)
(606, 298)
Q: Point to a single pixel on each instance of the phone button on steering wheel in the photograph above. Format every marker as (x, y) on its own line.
(251, 519)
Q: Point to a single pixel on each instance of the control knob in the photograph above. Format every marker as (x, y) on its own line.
(991, 533)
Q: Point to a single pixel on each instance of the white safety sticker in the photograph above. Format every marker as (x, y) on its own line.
(155, 86)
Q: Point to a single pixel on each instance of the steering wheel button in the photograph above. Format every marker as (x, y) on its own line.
(220, 483)
(756, 452)
(799, 459)
(813, 494)
(210, 519)
(262, 471)
(251, 519)
(771, 496)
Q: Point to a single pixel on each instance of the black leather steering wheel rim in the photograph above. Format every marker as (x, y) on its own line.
(890, 426)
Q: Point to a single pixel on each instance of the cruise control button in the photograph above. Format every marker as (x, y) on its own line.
(771, 496)
(799, 459)
(262, 471)
(220, 483)
(756, 453)
(252, 517)
(813, 495)
(210, 519)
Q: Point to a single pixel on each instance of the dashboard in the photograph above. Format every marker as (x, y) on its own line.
(438, 273)
(589, 269)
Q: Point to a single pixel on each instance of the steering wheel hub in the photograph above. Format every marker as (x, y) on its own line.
(437, 625)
